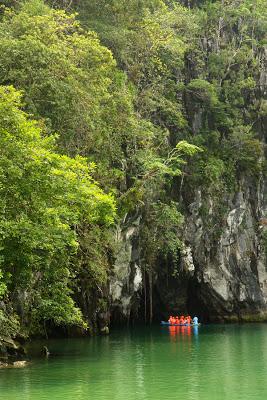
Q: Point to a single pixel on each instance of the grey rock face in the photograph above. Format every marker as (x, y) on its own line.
(228, 269)
(127, 277)
(230, 272)
(10, 348)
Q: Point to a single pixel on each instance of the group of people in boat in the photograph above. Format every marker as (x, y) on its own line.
(182, 320)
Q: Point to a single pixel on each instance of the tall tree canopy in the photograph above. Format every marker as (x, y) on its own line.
(44, 196)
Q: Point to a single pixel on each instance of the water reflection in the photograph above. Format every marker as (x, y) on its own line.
(182, 331)
(195, 330)
(205, 363)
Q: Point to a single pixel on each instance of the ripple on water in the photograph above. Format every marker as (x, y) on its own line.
(212, 363)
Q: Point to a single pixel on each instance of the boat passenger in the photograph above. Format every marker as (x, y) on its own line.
(195, 320)
(182, 320)
(177, 321)
(188, 320)
(170, 319)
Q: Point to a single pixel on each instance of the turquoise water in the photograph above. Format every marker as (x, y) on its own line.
(208, 363)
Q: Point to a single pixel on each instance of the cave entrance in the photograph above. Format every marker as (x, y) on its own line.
(196, 301)
(174, 296)
(182, 297)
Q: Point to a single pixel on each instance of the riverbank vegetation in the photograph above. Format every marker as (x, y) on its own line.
(110, 109)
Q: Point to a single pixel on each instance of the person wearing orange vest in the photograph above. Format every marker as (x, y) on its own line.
(177, 321)
(182, 320)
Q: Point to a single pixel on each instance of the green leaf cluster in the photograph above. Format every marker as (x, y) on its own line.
(44, 195)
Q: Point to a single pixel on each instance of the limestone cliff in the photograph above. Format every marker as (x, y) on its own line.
(222, 272)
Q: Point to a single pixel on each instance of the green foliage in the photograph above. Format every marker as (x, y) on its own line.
(3, 287)
(161, 220)
(213, 170)
(63, 70)
(55, 304)
(149, 41)
(9, 325)
(54, 193)
(161, 232)
(203, 91)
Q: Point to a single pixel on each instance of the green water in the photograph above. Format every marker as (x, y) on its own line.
(211, 363)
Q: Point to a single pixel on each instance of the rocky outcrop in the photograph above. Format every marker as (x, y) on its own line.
(14, 364)
(222, 272)
(126, 279)
(10, 349)
(230, 274)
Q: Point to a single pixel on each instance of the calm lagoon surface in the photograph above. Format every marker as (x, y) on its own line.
(215, 362)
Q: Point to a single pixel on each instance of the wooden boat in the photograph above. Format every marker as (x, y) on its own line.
(164, 323)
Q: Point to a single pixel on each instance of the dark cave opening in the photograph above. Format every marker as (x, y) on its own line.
(195, 301)
(172, 296)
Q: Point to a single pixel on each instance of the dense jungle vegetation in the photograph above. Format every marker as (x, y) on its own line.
(108, 109)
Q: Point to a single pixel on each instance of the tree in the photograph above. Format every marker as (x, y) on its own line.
(38, 238)
(64, 71)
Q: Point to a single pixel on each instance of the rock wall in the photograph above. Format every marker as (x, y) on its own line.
(230, 274)
(126, 280)
(222, 270)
